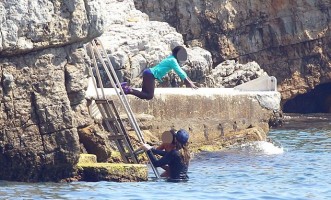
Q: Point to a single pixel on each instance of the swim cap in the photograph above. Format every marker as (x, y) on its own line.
(182, 136)
(180, 53)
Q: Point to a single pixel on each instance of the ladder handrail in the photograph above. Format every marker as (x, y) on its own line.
(123, 98)
(91, 72)
(97, 73)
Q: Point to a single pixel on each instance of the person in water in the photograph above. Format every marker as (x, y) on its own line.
(179, 55)
(168, 144)
(177, 159)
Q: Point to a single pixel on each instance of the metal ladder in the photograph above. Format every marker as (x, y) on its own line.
(107, 108)
(114, 125)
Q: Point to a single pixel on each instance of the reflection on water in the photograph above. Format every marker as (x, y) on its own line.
(315, 121)
(308, 133)
(294, 165)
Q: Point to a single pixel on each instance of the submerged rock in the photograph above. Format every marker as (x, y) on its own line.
(90, 170)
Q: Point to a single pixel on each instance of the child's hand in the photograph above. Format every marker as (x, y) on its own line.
(190, 83)
(145, 147)
(194, 86)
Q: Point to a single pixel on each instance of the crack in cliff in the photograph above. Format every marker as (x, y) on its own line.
(33, 101)
(87, 15)
(5, 85)
(1, 85)
(284, 47)
(25, 124)
(2, 40)
(34, 106)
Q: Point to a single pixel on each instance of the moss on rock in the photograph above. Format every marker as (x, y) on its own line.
(210, 148)
(87, 158)
(112, 172)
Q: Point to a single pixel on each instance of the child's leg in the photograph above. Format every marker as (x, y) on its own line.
(148, 87)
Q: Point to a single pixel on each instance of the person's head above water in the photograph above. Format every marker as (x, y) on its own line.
(180, 53)
(181, 136)
(167, 137)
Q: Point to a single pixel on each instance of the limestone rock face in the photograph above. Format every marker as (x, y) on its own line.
(134, 43)
(32, 25)
(230, 74)
(290, 39)
(43, 80)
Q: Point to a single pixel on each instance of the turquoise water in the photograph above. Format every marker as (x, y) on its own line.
(294, 165)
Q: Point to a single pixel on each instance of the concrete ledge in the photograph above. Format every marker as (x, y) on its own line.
(206, 112)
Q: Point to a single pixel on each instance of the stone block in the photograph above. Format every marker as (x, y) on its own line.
(113, 172)
(87, 158)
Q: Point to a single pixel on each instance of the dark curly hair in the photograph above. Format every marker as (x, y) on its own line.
(176, 50)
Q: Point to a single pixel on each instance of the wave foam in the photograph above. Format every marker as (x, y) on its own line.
(261, 147)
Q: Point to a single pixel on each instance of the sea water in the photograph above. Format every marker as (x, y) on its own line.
(295, 163)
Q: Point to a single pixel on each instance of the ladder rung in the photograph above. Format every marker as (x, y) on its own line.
(111, 130)
(102, 101)
(111, 119)
(128, 155)
(138, 151)
(116, 137)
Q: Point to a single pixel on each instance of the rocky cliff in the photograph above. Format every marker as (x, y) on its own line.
(43, 79)
(44, 121)
(134, 42)
(290, 39)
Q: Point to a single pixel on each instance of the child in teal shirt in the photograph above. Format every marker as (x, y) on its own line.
(158, 72)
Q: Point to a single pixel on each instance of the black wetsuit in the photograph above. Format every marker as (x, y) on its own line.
(177, 168)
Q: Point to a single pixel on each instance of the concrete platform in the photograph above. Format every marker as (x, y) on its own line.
(205, 112)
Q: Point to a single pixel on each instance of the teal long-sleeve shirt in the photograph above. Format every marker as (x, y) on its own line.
(167, 64)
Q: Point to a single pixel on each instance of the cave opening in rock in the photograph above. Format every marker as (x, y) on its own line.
(317, 100)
